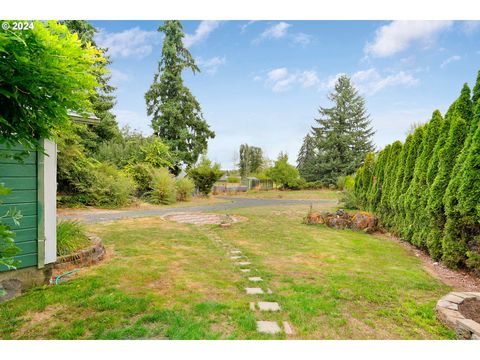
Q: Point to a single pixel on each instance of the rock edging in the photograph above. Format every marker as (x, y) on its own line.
(448, 313)
(85, 257)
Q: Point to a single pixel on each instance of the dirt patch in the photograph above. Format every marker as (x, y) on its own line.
(38, 319)
(470, 308)
(460, 280)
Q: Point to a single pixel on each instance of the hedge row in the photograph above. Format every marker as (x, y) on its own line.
(427, 190)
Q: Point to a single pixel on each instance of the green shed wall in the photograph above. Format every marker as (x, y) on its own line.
(22, 179)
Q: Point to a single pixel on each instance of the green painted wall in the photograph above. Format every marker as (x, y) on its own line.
(22, 179)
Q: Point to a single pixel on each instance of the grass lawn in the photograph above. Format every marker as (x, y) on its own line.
(323, 194)
(168, 280)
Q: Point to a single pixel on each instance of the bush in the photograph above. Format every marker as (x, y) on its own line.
(142, 174)
(314, 185)
(70, 237)
(100, 184)
(349, 200)
(341, 182)
(233, 179)
(163, 187)
(296, 184)
(349, 183)
(185, 188)
(205, 175)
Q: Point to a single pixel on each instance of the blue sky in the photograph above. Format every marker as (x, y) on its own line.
(262, 82)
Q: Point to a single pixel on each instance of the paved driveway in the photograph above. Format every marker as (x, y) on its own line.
(234, 203)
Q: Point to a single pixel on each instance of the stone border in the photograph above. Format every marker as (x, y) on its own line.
(448, 313)
(84, 257)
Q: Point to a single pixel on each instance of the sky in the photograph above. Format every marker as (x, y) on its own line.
(262, 82)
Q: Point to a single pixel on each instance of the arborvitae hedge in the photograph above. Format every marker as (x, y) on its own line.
(428, 189)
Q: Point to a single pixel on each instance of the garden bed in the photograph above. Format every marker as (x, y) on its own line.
(461, 312)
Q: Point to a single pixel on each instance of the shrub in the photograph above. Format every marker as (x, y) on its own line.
(70, 237)
(163, 187)
(233, 179)
(296, 184)
(349, 200)
(185, 188)
(341, 182)
(100, 184)
(314, 185)
(204, 175)
(142, 174)
(349, 183)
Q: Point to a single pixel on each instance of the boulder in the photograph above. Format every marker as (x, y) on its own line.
(364, 221)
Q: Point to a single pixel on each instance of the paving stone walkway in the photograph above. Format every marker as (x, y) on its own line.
(258, 306)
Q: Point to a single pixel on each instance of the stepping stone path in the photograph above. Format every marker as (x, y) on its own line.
(268, 327)
(202, 218)
(243, 263)
(254, 291)
(264, 327)
(268, 306)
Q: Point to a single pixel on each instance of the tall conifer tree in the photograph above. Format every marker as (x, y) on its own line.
(176, 114)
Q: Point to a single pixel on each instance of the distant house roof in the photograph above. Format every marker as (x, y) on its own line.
(90, 119)
(223, 178)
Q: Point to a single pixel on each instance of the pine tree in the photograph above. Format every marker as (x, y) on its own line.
(306, 158)
(176, 115)
(343, 134)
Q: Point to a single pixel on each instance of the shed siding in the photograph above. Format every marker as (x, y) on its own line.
(22, 179)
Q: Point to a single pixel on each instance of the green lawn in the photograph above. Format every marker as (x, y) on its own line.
(168, 280)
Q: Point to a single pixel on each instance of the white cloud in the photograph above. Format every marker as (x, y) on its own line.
(128, 43)
(400, 34)
(277, 74)
(211, 65)
(470, 26)
(276, 31)
(302, 39)
(201, 33)
(280, 79)
(449, 60)
(370, 81)
(308, 79)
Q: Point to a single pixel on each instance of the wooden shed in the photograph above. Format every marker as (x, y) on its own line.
(34, 186)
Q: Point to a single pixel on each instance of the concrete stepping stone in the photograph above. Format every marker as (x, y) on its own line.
(268, 327)
(288, 329)
(236, 257)
(245, 270)
(255, 278)
(243, 263)
(268, 306)
(235, 252)
(254, 291)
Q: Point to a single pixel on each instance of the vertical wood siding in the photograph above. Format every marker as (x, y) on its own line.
(22, 179)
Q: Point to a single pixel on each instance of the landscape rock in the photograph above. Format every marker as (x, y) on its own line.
(362, 221)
